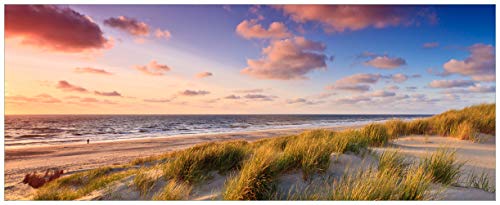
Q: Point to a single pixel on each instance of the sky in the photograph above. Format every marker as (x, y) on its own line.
(248, 59)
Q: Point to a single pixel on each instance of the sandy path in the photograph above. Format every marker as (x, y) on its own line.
(76, 157)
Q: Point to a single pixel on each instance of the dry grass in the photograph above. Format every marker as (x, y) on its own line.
(174, 190)
(443, 166)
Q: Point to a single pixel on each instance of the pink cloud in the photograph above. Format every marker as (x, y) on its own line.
(156, 100)
(92, 70)
(288, 59)
(359, 78)
(129, 25)
(232, 97)
(399, 78)
(251, 29)
(349, 87)
(385, 62)
(340, 18)
(165, 34)
(54, 28)
(258, 90)
(480, 65)
(153, 68)
(450, 83)
(204, 74)
(382, 93)
(65, 86)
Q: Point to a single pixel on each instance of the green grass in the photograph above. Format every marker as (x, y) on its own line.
(443, 166)
(193, 164)
(392, 160)
(480, 181)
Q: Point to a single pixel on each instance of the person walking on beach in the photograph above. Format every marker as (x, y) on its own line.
(88, 140)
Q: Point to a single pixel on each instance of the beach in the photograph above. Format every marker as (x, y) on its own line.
(81, 156)
(78, 157)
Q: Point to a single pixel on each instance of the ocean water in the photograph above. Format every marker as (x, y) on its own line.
(30, 130)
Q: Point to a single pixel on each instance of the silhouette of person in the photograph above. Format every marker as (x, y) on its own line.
(88, 141)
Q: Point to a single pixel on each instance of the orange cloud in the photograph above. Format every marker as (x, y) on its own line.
(165, 34)
(52, 27)
(340, 18)
(92, 70)
(288, 59)
(129, 25)
(153, 68)
(65, 86)
(251, 29)
(204, 74)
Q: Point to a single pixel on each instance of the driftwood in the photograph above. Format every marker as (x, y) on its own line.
(36, 181)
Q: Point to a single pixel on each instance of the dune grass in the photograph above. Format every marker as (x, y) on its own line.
(174, 190)
(193, 164)
(480, 181)
(80, 184)
(443, 166)
(145, 179)
(256, 179)
(256, 166)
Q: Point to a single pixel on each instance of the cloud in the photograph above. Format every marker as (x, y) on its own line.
(303, 101)
(450, 83)
(251, 29)
(352, 99)
(65, 86)
(194, 92)
(41, 98)
(92, 70)
(156, 100)
(359, 78)
(392, 87)
(129, 25)
(288, 59)
(108, 94)
(232, 97)
(385, 62)
(430, 45)
(480, 65)
(356, 82)
(165, 34)
(258, 90)
(411, 88)
(477, 88)
(399, 78)
(204, 74)
(382, 93)
(153, 68)
(260, 97)
(352, 88)
(340, 18)
(55, 28)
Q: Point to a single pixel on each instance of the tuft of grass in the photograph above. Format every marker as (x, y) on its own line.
(415, 185)
(144, 180)
(418, 127)
(480, 181)
(465, 131)
(256, 180)
(80, 184)
(392, 160)
(443, 166)
(193, 164)
(174, 190)
(396, 128)
(376, 133)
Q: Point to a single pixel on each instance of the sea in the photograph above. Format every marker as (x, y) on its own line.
(36, 130)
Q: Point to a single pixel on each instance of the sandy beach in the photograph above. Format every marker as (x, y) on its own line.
(78, 157)
(81, 156)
